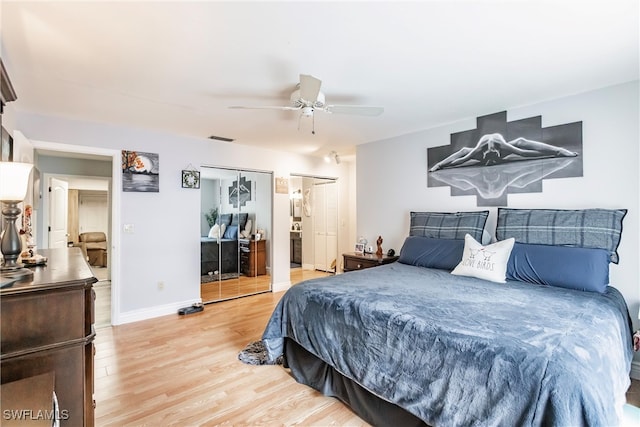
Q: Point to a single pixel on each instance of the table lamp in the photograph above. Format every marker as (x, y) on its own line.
(14, 179)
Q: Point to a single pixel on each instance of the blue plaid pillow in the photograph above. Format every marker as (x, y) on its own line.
(584, 228)
(448, 225)
(224, 219)
(239, 219)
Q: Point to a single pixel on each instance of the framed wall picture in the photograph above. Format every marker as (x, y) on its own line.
(282, 185)
(140, 171)
(190, 179)
(7, 146)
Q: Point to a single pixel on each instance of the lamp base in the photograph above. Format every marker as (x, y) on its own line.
(16, 273)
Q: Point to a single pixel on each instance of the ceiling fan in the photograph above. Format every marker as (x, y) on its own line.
(308, 99)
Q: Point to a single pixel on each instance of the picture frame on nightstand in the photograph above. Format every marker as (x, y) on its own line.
(359, 249)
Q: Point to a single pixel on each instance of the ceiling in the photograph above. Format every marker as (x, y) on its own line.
(177, 66)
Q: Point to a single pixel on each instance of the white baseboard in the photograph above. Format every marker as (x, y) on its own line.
(279, 287)
(152, 312)
(635, 370)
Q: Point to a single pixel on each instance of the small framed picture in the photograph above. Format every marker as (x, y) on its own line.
(282, 185)
(190, 179)
(359, 248)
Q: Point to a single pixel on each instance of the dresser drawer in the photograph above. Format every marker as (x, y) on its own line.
(355, 261)
(358, 264)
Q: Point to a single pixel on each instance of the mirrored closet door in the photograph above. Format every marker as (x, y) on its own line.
(234, 233)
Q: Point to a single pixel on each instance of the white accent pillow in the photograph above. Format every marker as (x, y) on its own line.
(217, 231)
(214, 233)
(485, 262)
(246, 233)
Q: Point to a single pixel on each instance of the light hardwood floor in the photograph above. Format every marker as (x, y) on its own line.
(103, 297)
(184, 371)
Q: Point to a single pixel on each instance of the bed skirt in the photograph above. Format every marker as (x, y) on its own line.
(309, 370)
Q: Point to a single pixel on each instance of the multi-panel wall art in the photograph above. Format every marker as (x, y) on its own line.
(500, 157)
(240, 194)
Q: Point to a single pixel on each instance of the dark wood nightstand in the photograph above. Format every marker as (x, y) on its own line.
(253, 257)
(356, 261)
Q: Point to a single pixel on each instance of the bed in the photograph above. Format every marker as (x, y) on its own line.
(219, 249)
(423, 341)
(211, 250)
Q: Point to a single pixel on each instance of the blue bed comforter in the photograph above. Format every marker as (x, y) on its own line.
(460, 351)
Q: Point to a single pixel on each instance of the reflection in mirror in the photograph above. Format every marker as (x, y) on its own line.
(296, 205)
(235, 224)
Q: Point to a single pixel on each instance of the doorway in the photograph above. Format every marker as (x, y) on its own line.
(78, 206)
(60, 161)
(313, 226)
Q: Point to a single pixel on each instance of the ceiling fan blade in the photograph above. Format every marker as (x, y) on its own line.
(309, 88)
(242, 107)
(361, 110)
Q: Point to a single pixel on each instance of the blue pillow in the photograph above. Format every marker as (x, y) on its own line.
(430, 252)
(231, 232)
(585, 269)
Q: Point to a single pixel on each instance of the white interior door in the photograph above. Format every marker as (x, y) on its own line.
(331, 215)
(319, 228)
(58, 211)
(325, 221)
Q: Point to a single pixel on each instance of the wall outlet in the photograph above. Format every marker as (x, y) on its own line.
(160, 285)
(129, 228)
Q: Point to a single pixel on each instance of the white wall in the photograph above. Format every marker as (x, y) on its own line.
(165, 244)
(392, 177)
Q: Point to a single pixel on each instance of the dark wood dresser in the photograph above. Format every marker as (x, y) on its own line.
(253, 257)
(356, 261)
(48, 332)
(296, 247)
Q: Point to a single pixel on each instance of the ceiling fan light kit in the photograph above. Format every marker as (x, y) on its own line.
(308, 99)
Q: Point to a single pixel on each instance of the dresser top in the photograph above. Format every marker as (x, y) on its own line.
(65, 267)
(372, 257)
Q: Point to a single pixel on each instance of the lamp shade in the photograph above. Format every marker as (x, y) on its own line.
(14, 179)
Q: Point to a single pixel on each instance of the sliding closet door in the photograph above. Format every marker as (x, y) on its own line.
(255, 243)
(241, 202)
(229, 245)
(210, 196)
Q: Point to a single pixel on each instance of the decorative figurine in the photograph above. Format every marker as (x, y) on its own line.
(379, 242)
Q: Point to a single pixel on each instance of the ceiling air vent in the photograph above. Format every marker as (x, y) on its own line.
(221, 138)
